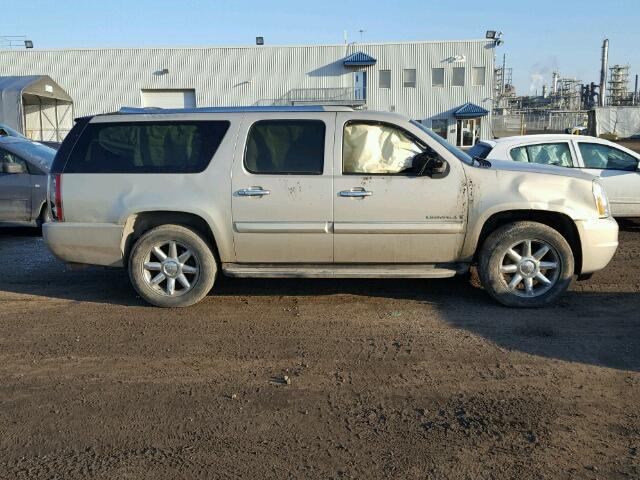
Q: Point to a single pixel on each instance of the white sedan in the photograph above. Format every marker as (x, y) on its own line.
(617, 167)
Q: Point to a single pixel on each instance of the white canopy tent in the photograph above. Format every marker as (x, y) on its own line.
(36, 106)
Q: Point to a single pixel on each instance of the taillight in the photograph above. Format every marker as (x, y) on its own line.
(55, 197)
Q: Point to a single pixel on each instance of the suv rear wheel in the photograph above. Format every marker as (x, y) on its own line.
(172, 266)
(526, 264)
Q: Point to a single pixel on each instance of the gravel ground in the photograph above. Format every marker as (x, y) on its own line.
(315, 378)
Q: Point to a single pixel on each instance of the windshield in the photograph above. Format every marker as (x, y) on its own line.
(37, 153)
(460, 155)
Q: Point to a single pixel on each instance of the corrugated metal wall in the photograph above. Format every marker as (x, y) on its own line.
(104, 80)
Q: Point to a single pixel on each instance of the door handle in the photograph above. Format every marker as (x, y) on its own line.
(253, 192)
(355, 193)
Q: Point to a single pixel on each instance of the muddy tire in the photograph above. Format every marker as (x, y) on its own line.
(526, 264)
(172, 266)
(44, 216)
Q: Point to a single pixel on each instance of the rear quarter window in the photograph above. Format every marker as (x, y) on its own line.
(146, 147)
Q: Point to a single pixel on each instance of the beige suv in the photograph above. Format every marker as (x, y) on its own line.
(178, 196)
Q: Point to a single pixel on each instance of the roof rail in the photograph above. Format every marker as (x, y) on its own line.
(301, 108)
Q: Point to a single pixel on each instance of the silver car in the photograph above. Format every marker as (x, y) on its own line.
(24, 166)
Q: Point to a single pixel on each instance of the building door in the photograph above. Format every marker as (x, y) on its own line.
(360, 85)
(468, 132)
(169, 98)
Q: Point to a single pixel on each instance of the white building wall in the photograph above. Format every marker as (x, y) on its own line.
(104, 80)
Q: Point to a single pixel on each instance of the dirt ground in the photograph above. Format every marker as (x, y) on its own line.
(407, 379)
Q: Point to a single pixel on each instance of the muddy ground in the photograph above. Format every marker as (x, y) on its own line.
(387, 379)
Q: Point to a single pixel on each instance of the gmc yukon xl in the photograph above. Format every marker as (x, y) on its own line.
(179, 196)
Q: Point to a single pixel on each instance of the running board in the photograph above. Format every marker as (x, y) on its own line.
(342, 271)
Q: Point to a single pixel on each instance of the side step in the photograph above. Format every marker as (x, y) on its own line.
(343, 271)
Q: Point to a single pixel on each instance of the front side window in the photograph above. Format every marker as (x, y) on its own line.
(146, 147)
(457, 77)
(477, 76)
(558, 154)
(385, 78)
(437, 77)
(409, 77)
(595, 155)
(289, 147)
(440, 126)
(11, 164)
(377, 148)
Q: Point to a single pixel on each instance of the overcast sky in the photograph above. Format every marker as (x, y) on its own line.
(540, 36)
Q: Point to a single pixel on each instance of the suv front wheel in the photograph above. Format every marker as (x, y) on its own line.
(172, 266)
(526, 264)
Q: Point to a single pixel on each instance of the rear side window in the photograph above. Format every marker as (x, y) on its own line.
(290, 147)
(146, 147)
(480, 150)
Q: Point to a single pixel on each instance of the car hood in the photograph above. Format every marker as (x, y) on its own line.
(511, 166)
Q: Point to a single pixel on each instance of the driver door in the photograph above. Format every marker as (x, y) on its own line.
(383, 213)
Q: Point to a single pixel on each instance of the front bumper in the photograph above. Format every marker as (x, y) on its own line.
(599, 239)
(92, 243)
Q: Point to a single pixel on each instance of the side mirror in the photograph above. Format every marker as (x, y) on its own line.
(430, 164)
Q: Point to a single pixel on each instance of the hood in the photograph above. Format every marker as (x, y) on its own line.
(511, 166)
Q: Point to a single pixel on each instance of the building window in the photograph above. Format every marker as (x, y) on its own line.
(440, 126)
(385, 78)
(437, 77)
(457, 79)
(287, 147)
(409, 77)
(477, 76)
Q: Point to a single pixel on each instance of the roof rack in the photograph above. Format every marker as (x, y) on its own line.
(300, 108)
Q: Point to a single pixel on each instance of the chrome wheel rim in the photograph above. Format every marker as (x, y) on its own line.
(171, 268)
(530, 268)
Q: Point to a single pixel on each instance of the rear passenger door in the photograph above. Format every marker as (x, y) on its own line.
(282, 181)
(15, 188)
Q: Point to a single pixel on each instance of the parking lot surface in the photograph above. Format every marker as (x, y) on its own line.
(315, 378)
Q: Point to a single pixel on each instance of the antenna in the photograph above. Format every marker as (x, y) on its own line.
(361, 32)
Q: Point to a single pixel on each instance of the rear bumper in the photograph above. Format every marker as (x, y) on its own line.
(599, 239)
(92, 243)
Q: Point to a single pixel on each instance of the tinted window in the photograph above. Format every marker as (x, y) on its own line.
(545, 154)
(286, 147)
(440, 126)
(377, 148)
(480, 150)
(595, 155)
(146, 147)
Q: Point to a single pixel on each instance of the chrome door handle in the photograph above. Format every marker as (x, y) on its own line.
(355, 193)
(253, 192)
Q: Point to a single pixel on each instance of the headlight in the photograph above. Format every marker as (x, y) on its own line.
(600, 197)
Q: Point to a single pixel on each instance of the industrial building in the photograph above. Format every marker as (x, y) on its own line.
(447, 85)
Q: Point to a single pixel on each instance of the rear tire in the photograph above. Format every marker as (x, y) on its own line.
(44, 216)
(172, 266)
(526, 264)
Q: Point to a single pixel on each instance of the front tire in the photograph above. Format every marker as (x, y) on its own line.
(526, 264)
(172, 266)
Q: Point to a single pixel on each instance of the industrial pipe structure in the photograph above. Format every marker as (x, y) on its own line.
(603, 73)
